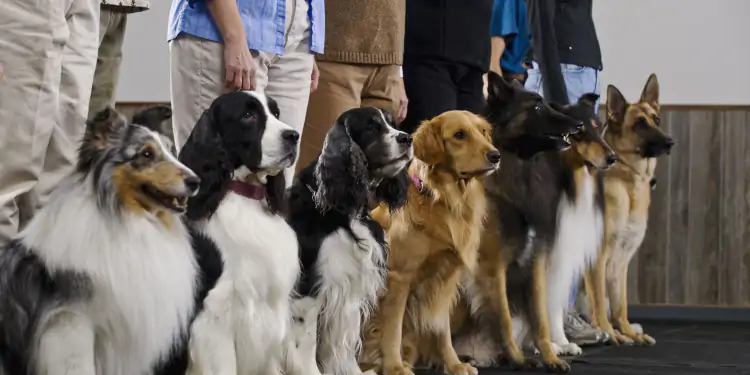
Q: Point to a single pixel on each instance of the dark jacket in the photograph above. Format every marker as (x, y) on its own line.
(449, 30)
(562, 32)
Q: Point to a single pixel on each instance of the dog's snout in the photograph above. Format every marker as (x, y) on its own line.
(404, 139)
(291, 136)
(669, 142)
(192, 183)
(611, 159)
(493, 156)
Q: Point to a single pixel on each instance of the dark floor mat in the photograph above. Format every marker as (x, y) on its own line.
(682, 348)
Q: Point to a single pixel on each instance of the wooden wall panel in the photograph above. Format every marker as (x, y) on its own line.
(697, 248)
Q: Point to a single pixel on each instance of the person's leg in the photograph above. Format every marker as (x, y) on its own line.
(383, 88)
(196, 77)
(78, 66)
(470, 87)
(288, 75)
(430, 89)
(33, 36)
(339, 89)
(111, 35)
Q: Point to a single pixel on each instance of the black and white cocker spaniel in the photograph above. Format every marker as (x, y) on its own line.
(342, 249)
(248, 323)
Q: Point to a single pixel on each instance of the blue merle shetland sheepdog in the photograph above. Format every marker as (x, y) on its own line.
(103, 279)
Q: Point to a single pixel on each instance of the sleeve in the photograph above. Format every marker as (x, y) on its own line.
(503, 22)
(544, 43)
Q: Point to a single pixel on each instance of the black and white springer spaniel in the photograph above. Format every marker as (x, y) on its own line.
(342, 249)
(248, 323)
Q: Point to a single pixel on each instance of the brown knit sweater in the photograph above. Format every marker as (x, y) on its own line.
(365, 31)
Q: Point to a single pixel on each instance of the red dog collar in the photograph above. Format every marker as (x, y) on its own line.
(250, 191)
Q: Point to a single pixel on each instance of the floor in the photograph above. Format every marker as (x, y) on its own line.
(681, 349)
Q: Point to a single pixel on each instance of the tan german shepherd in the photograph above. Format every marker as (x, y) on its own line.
(633, 132)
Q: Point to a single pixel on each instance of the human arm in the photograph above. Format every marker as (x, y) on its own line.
(544, 44)
(502, 26)
(498, 47)
(239, 63)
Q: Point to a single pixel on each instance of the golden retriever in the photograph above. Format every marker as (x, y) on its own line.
(433, 241)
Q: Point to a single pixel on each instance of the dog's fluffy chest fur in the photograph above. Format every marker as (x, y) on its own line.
(253, 293)
(259, 249)
(578, 236)
(142, 276)
(356, 267)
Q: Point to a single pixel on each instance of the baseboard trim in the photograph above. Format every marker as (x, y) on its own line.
(689, 313)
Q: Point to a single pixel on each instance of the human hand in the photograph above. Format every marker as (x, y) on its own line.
(314, 77)
(403, 104)
(240, 66)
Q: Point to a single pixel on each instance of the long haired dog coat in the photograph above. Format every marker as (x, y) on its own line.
(342, 249)
(103, 279)
(239, 149)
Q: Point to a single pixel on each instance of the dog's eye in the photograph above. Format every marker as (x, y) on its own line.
(459, 135)
(537, 108)
(249, 116)
(657, 120)
(147, 154)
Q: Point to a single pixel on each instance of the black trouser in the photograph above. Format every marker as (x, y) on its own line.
(434, 87)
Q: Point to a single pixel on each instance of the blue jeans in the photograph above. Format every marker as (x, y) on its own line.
(579, 80)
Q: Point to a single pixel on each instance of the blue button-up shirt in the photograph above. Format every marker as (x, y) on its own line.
(264, 20)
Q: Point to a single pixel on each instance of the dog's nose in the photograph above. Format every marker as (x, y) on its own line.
(192, 183)
(669, 142)
(291, 136)
(403, 139)
(493, 156)
(611, 159)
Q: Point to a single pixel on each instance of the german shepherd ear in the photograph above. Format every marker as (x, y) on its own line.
(650, 92)
(153, 117)
(428, 143)
(616, 105)
(498, 89)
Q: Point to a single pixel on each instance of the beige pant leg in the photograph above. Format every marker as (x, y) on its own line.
(196, 77)
(33, 36)
(78, 65)
(286, 78)
(111, 36)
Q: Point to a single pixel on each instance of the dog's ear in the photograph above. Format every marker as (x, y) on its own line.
(153, 117)
(393, 191)
(428, 142)
(650, 92)
(205, 155)
(275, 194)
(341, 172)
(616, 105)
(562, 108)
(101, 132)
(498, 89)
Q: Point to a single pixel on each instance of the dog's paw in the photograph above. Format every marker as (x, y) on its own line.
(557, 365)
(397, 370)
(461, 369)
(524, 363)
(644, 340)
(569, 349)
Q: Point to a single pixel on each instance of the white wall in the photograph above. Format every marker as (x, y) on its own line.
(700, 50)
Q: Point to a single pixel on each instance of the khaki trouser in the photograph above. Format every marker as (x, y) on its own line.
(197, 76)
(342, 87)
(111, 35)
(48, 49)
